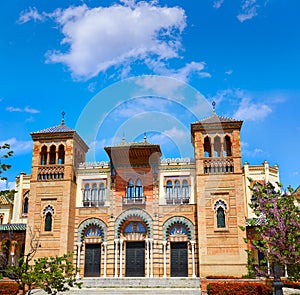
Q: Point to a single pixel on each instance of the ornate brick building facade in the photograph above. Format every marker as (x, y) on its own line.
(139, 215)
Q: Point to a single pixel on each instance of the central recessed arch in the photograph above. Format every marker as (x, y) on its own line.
(134, 212)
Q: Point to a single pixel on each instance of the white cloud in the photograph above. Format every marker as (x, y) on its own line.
(247, 107)
(251, 152)
(250, 111)
(19, 147)
(248, 10)
(218, 3)
(229, 72)
(6, 185)
(25, 110)
(114, 37)
(105, 37)
(30, 14)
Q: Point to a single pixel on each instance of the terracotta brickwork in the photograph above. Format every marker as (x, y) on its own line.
(164, 217)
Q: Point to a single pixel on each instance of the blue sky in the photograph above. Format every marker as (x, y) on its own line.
(87, 58)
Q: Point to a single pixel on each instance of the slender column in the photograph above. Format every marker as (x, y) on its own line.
(116, 257)
(121, 257)
(12, 254)
(78, 260)
(193, 258)
(105, 258)
(285, 271)
(165, 258)
(147, 251)
(269, 271)
(151, 257)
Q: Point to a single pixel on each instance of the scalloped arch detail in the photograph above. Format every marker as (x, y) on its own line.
(88, 222)
(134, 212)
(182, 220)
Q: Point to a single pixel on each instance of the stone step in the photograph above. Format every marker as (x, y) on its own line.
(141, 282)
(128, 291)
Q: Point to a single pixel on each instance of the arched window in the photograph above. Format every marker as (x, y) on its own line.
(130, 189)
(169, 191)
(177, 194)
(93, 231)
(61, 154)
(94, 194)
(52, 155)
(135, 227)
(207, 147)
(44, 155)
(102, 193)
(178, 229)
(1, 218)
(25, 206)
(217, 147)
(227, 146)
(48, 222)
(86, 195)
(220, 218)
(139, 189)
(185, 191)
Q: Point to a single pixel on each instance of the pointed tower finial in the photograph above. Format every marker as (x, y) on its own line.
(214, 106)
(63, 118)
(123, 138)
(145, 137)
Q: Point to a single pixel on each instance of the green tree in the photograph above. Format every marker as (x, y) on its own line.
(5, 153)
(278, 232)
(52, 274)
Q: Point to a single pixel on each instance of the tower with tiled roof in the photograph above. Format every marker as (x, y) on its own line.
(57, 151)
(220, 196)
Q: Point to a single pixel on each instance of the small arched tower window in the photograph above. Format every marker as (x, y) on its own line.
(130, 189)
(139, 189)
(220, 218)
(44, 155)
(48, 222)
(52, 154)
(207, 147)
(227, 146)
(217, 147)
(220, 207)
(61, 154)
(25, 204)
(48, 213)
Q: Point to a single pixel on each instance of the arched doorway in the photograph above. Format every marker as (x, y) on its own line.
(92, 260)
(178, 235)
(179, 250)
(133, 237)
(92, 240)
(134, 234)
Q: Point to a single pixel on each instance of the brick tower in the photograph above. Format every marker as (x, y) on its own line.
(56, 153)
(220, 196)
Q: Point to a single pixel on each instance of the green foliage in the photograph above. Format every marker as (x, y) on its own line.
(5, 153)
(52, 274)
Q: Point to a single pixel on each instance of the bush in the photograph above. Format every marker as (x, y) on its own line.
(239, 288)
(9, 289)
(294, 285)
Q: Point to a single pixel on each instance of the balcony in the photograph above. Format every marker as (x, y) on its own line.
(50, 172)
(218, 165)
(177, 201)
(139, 200)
